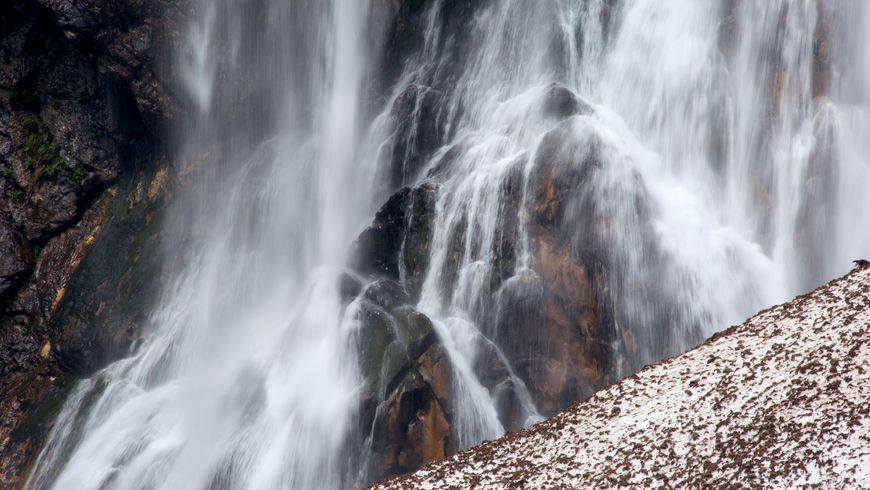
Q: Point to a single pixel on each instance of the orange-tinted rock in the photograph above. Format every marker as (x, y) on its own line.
(412, 426)
(573, 365)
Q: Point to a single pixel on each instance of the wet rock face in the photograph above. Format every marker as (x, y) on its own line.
(406, 412)
(419, 111)
(102, 308)
(396, 245)
(412, 425)
(405, 417)
(419, 130)
(553, 322)
(572, 324)
(405, 35)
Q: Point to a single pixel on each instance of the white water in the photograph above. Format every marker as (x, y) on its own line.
(249, 379)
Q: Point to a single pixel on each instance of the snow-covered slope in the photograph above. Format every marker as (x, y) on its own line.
(780, 401)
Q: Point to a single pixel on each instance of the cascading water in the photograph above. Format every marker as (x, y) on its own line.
(676, 166)
(247, 380)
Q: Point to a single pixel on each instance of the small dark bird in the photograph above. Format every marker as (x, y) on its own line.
(861, 263)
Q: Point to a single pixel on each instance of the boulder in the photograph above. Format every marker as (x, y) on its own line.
(561, 102)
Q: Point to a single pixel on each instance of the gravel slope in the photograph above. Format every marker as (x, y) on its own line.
(782, 400)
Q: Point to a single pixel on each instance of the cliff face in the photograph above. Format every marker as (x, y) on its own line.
(781, 400)
(86, 102)
(82, 182)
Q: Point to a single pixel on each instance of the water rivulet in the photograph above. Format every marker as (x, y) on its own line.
(562, 192)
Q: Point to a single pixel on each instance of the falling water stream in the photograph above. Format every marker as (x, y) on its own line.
(746, 154)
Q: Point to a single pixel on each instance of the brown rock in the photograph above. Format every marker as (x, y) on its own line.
(412, 425)
(573, 365)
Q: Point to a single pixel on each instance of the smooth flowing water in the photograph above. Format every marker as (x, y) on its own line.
(733, 151)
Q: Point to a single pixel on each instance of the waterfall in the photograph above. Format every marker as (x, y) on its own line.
(681, 164)
(247, 379)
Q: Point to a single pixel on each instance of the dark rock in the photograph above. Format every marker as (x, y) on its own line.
(418, 133)
(405, 31)
(564, 325)
(101, 310)
(561, 176)
(132, 39)
(378, 246)
(456, 21)
(551, 322)
(489, 364)
(396, 245)
(491, 368)
(386, 293)
(16, 259)
(388, 342)
(418, 237)
(80, 104)
(374, 335)
(507, 230)
(29, 403)
(68, 128)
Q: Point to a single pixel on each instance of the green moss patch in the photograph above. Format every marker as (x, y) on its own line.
(42, 153)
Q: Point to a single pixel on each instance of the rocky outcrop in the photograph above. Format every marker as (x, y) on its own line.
(570, 323)
(777, 401)
(405, 413)
(554, 324)
(82, 185)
